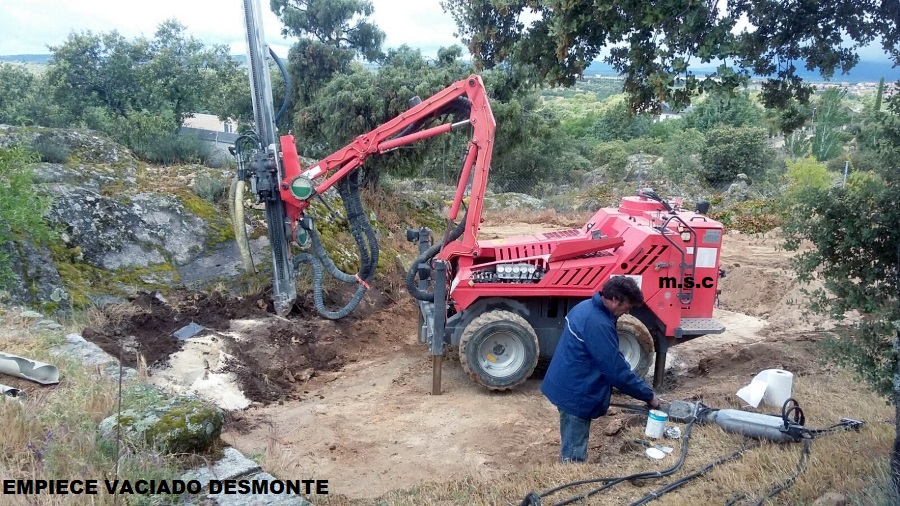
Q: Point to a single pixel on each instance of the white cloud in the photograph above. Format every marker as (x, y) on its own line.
(29, 26)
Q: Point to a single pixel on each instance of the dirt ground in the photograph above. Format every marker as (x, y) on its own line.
(350, 401)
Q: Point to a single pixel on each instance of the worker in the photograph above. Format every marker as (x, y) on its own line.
(587, 364)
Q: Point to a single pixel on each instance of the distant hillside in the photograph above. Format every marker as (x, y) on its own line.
(40, 59)
(864, 71)
(43, 59)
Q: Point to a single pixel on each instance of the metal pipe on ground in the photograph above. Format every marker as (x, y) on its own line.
(29, 369)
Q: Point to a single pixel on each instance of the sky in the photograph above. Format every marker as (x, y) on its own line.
(29, 26)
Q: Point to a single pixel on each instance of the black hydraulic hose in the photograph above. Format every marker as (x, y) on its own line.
(780, 487)
(287, 85)
(360, 227)
(318, 298)
(326, 261)
(801, 466)
(678, 483)
(533, 499)
(320, 260)
(426, 256)
(460, 108)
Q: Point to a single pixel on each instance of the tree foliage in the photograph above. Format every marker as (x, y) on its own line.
(615, 123)
(682, 154)
(829, 118)
(730, 151)
(807, 173)
(339, 24)
(18, 86)
(653, 43)
(331, 35)
(141, 88)
(856, 255)
(22, 208)
(357, 100)
(724, 109)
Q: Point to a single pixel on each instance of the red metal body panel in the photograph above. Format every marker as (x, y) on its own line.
(640, 238)
(630, 242)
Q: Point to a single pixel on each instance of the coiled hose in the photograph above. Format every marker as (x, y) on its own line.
(364, 236)
(360, 228)
(319, 261)
(426, 256)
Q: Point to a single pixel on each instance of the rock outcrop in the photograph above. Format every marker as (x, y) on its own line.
(176, 425)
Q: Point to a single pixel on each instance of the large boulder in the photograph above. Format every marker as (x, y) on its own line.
(738, 191)
(176, 425)
(91, 177)
(128, 232)
(595, 178)
(82, 146)
(36, 281)
(511, 201)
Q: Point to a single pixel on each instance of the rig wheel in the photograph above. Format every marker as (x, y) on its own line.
(636, 344)
(498, 350)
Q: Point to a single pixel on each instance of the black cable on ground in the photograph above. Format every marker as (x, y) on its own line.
(801, 466)
(789, 408)
(682, 481)
(610, 482)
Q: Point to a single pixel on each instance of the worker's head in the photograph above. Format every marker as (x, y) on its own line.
(620, 294)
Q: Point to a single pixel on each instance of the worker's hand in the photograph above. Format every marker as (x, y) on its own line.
(654, 402)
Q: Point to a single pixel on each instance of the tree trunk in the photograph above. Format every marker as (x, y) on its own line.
(895, 456)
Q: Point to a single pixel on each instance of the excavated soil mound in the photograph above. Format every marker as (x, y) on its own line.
(267, 357)
(272, 357)
(147, 326)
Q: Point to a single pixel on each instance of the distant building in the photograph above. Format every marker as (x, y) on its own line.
(209, 128)
(666, 113)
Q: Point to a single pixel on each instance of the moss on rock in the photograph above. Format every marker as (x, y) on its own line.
(84, 281)
(178, 425)
(217, 220)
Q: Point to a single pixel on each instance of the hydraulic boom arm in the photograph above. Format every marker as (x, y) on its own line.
(299, 186)
(278, 180)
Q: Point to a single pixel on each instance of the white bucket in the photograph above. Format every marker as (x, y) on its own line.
(656, 423)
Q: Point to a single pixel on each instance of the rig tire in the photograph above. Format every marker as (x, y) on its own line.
(636, 344)
(498, 350)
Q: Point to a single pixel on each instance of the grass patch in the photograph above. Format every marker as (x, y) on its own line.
(53, 434)
(836, 462)
(52, 150)
(174, 149)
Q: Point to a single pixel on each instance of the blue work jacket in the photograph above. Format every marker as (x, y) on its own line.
(587, 364)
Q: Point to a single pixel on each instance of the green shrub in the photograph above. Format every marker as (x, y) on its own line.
(730, 151)
(644, 145)
(22, 208)
(614, 155)
(681, 154)
(864, 161)
(51, 150)
(171, 149)
(807, 173)
(752, 216)
(210, 189)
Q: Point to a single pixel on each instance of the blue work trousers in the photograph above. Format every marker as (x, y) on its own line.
(573, 432)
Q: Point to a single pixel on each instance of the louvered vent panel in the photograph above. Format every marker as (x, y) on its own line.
(563, 233)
